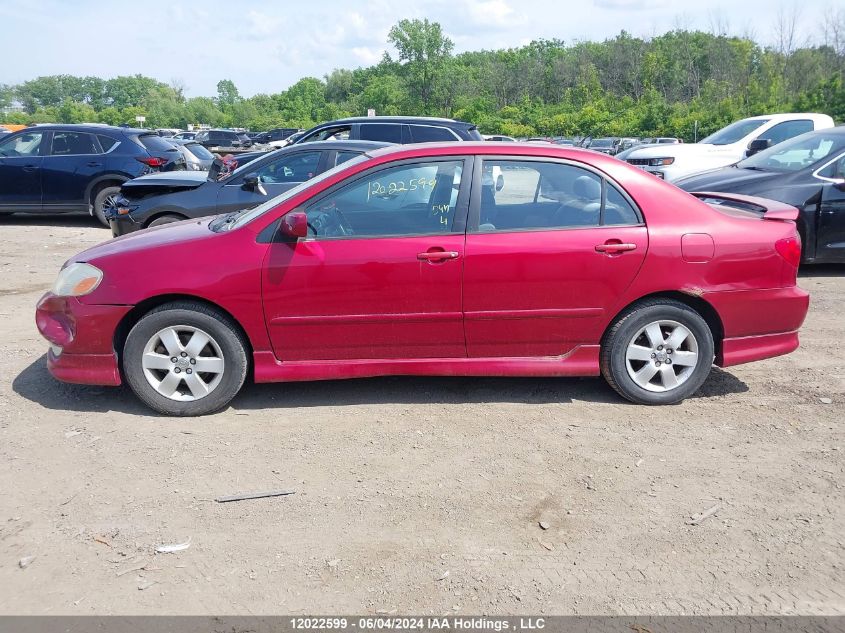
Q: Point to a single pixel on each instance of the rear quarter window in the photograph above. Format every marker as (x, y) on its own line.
(431, 134)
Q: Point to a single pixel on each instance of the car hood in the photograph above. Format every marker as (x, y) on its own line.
(174, 233)
(730, 180)
(187, 179)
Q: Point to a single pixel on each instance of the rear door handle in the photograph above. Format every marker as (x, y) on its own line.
(94, 164)
(30, 168)
(436, 256)
(615, 247)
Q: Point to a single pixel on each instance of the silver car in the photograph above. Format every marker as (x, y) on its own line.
(197, 157)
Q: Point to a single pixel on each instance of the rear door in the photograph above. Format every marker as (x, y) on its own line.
(547, 254)
(276, 177)
(20, 170)
(74, 160)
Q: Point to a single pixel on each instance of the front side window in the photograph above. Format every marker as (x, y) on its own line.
(73, 143)
(734, 132)
(536, 195)
(796, 153)
(22, 145)
(297, 167)
(412, 199)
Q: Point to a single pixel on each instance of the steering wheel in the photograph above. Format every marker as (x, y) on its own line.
(330, 222)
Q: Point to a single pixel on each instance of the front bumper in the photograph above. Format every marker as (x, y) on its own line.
(81, 338)
(123, 225)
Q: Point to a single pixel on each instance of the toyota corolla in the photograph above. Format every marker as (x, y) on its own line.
(410, 260)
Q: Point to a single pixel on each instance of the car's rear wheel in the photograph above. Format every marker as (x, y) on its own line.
(658, 352)
(104, 199)
(165, 219)
(185, 359)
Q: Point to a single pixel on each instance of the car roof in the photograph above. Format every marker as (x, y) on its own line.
(487, 147)
(363, 146)
(399, 119)
(88, 127)
(815, 116)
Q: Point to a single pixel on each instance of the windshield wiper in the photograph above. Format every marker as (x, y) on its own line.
(225, 222)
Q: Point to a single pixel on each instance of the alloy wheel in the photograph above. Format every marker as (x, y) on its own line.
(183, 363)
(662, 356)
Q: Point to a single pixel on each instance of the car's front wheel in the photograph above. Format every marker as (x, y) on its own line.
(185, 359)
(165, 219)
(658, 352)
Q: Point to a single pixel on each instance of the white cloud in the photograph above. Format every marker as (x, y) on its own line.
(631, 5)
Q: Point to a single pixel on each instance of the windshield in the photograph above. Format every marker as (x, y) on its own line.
(248, 216)
(734, 132)
(796, 153)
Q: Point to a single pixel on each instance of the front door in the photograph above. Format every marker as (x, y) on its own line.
(830, 239)
(379, 276)
(20, 171)
(550, 247)
(276, 177)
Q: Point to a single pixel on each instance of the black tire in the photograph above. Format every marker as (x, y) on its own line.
(165, 219)
(614, 363)
(210, 321)
(99, 202)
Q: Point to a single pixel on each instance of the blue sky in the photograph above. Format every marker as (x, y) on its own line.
(266, 46)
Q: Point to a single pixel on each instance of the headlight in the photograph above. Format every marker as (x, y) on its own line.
(77, 279)
(659, 162)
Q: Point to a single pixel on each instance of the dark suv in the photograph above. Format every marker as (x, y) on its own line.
(222, 138)
(276, 134)
(72, 168)
(393, 129)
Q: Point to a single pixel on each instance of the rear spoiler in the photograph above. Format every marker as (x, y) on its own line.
(771, 209)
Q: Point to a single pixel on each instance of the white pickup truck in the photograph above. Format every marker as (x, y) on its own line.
(725, 147)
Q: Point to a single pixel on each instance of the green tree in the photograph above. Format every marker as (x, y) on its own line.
(423, 48)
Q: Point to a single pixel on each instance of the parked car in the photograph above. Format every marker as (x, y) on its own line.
(185, 136)
(197, 157)
(393, 129)
(167, 132)
(499, 138)
(392, 263)
(607, 145)
(725, 147)
(77, 168)
(807, 172)
(275, 135)
(214, 139)
(164, 198)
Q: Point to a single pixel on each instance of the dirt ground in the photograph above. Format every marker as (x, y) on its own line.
(416, 495)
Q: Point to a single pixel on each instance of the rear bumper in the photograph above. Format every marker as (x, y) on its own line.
(736, 351)
(759, 323)
(81, 338)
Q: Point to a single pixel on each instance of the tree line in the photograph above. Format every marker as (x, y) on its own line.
(679, 83)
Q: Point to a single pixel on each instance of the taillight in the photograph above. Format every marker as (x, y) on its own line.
(152, 161)
(790, 249)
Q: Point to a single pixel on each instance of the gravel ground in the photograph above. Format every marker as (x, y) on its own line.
(420, 495)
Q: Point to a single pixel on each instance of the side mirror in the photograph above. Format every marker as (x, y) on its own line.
(252, 182)
(758, 145)
(295, 224)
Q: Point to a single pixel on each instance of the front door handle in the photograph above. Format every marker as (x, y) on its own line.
(437, 256)
(94, 164)
(612, 247)
(30, 168)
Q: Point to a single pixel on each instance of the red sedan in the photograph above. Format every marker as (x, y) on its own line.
(440, 259)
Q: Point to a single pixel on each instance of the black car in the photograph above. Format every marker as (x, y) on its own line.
(808, 172)
(276, 134)
(222, 138)
(608, 145)
(393, 129)
(77, 168)
(163, 198)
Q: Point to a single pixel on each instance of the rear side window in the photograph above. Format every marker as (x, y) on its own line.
(536, 195)
(155, 143)
(342, 157)
(199, 151)
(73, 144)
(431, 134)
(786, 130)
(107, 143)
(384, 132)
